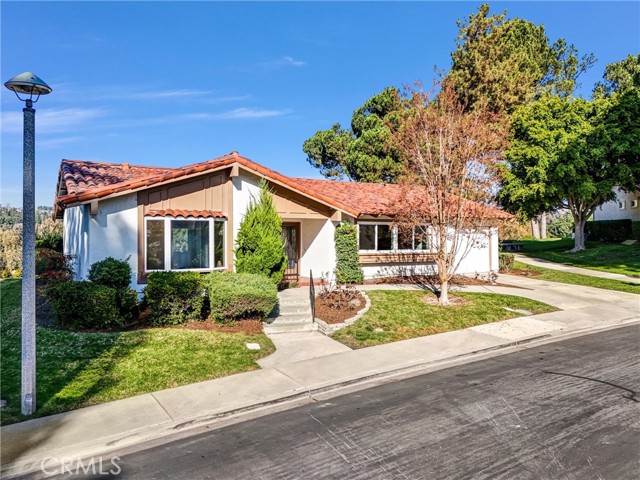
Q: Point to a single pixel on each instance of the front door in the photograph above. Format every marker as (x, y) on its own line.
(291, 237)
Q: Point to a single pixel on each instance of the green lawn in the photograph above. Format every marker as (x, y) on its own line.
(400, 314)
(613, 258)
(80, 369)
(576, 279)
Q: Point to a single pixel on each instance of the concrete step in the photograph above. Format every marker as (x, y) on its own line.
(292, 318)
(275, 328)
(294, 311)
(293, 302)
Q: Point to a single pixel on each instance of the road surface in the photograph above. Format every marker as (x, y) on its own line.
(567, 410)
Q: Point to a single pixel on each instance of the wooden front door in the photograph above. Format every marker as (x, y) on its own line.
(291, 237)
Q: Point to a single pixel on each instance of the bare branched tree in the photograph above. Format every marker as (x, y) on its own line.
(449, 156)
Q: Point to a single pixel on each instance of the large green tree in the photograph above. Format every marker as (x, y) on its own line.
(363, 152)
(570, 153)
(501, 63)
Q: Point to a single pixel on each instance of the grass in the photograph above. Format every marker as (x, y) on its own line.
(80, 369)
(576, 279)
(613, 258)
(400, 314)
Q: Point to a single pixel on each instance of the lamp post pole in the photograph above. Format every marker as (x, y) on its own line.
(28, 84)
(29, 264)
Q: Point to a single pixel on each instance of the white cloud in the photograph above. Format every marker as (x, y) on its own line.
(57, 142)
(239, 114)
(51, 120)
(285, 61)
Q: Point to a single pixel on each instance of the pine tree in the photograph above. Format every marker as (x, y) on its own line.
(259, 246)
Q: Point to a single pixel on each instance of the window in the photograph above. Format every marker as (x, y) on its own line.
(375, 237)
(634, 203)
(622, 205)
(177, 244)
(382, 237)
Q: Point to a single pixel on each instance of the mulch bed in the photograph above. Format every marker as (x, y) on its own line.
(333, 315)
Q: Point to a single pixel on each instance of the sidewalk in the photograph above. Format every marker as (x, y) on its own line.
(539, 262)
(101, 428)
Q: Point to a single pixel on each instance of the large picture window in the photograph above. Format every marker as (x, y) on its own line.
(184, 244)
(381, 237)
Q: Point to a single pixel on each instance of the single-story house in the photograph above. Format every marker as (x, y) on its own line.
(625, 206)
(188, 218)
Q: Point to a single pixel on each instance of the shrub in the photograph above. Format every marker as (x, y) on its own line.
(514, 229)
(17, 273)
(561, 226)
(505, 261)
(5, 273)
(259, 246)
(50, 263)
(348, 268)
(635, 228)
(49, 234)
(77, 305)
(111, 273)
(240, 295)
(608, 230)
(174, 297)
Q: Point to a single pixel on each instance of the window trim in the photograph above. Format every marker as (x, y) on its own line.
(167, 244)
(394, 239)
(634, 203)
(622, 204)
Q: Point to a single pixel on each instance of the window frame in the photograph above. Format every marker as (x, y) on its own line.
(622, 204)
(394, 239)
(634, 203)
(167, 243)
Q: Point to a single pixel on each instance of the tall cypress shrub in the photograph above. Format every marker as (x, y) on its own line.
(348, 268)
(259, 246)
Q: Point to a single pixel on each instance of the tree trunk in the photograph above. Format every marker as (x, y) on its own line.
(444, 293)
(578, 234)
(543, 225)
(535, 228)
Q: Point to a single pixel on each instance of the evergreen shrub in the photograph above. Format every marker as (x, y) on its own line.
(259, 246)
(234, 296)
(111, 273)
(613, 231)
(348, 268)
(174, 297)
(78, 305)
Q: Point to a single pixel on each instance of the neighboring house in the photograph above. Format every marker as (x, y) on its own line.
(626, 206)
(188, 219)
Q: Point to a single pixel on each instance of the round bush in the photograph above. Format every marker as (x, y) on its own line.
(174, 297)
(234, 296)
(77, 305)
(111, 272)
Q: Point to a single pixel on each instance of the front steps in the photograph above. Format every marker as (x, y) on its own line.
(292, 314)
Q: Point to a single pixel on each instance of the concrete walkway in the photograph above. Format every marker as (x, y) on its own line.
(103, 428)
(539, 262)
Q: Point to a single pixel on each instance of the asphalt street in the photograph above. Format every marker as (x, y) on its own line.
(566, 410)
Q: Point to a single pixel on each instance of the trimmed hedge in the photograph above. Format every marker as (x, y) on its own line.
(635, 229)
(234, 296)
(111, 273)
(505, 261)
(174, 297)
(613, 231)
(77, 305)
(348, 268)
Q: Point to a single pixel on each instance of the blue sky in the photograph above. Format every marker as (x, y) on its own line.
(169, 84)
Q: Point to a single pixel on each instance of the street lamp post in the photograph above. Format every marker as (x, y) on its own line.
(32, 86)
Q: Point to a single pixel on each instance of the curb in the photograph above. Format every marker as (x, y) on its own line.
(166, 431)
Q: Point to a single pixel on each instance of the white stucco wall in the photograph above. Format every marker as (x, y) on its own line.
(612, 210)
(478, 253)
(318, 248)
(113, 232)
(76, 238)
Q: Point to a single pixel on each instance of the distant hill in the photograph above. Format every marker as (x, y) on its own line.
(11, 216)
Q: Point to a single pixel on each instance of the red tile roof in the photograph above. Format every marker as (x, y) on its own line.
(170, 212)
(80, 182)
